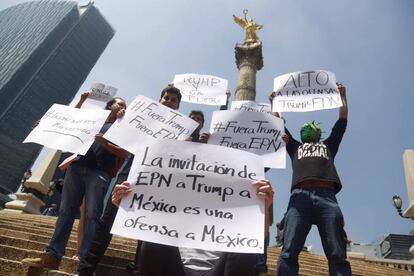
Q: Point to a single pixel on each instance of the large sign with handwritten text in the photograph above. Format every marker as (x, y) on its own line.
(146, 120)
(202, 89)
(194, 195)
(68, 129)
(256, 132)
(306, 91)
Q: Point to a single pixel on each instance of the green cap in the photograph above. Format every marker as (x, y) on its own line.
(310, 132)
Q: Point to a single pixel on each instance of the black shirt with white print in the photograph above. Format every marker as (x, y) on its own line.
(316, 160)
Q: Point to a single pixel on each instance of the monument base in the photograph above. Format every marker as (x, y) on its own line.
(3, 199)
(25, 203)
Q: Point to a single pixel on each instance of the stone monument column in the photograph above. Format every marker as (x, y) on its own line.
(249, 59)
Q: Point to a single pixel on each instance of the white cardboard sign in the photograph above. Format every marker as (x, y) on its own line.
(146, 120)
(68, 129)
(251, 106)
(184, 195)
(202, 89)
(102, 92)
(256, 132)
(306, 91)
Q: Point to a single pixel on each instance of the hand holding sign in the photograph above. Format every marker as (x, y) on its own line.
(119, 192)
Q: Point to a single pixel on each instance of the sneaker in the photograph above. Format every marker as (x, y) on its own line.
(45, 261)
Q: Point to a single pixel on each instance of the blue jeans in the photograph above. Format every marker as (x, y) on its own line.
(79, 182)
(313, 206)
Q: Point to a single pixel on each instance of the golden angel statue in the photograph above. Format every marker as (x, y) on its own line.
(250, 26)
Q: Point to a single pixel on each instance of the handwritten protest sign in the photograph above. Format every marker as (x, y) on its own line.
(306, 91)
(102, 92)
(202, 89)
(68, 129)
(255, 132)
(184, 195)
(250, 106)
(145, 120)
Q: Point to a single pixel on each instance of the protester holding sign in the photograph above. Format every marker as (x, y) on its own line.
(314, 184)
(243, 216)
(87, 176)
(157, 259)
(170, 97)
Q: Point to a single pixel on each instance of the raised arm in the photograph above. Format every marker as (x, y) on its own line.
(271, 96)
(343, 110)
(82, 99)
(226, 106)
(265, 192)
(339, 128)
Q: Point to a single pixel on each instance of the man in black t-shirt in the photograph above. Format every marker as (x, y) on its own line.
(314, 185)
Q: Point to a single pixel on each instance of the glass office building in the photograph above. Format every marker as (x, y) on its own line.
(47, 49)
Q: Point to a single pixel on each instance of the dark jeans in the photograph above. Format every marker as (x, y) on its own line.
(313, 206)
(101, 240)
(102, 236)
(161, 260)
(80, 182)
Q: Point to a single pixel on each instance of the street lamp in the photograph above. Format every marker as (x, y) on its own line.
(397, 201)
(27, 174)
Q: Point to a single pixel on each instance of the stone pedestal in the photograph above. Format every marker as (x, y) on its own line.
(25, 203)
(249, 60)
(40, 182)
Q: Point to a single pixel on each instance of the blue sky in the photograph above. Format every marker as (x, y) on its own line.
(367, 44)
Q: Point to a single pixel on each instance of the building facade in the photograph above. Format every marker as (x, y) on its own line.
(390, 246)
(47, 49)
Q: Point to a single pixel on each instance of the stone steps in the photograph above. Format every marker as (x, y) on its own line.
(16, 268)
(24, 235)
(67, 265)
(112, 257)
(313, 264)
(47, 230)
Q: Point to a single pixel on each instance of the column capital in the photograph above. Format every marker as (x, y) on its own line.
(250, 53)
